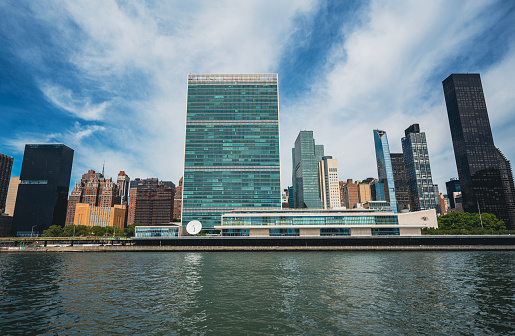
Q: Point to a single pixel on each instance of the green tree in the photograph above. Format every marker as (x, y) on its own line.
(130, 230)
(76, 230)
(468, 223)
(53, 231)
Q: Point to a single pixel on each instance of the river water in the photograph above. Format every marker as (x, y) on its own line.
(257, 293)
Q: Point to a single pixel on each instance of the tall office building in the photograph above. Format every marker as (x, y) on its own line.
(349, 193)
(123, 182)
(485, 175)
(177, 200)
(6, 165)
(10, 204)
(92, 189)
(329, 188)
(452, 186)
(152, 202)
(384, 169)
(305, 158)
(401, 179)
(416, 157)
(43, 190)
(232, 146)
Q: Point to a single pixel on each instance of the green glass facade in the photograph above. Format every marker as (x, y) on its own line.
(312, 220)
(232, 146)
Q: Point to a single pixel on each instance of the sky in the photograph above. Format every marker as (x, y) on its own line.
(108, 78)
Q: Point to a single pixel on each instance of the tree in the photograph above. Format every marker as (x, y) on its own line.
(130, 230)
(53, 231)
(468, 223)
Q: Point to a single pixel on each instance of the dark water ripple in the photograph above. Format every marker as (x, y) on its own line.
(311, 293)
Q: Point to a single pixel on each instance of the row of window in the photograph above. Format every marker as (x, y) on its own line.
(323, 232)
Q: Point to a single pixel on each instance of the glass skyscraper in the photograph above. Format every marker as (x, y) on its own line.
(305, 158)
(384, 169)
(43, 191)
(231, 156)
(485, 175)
(416, 157)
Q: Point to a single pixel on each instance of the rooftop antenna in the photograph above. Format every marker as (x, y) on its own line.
(103, 166)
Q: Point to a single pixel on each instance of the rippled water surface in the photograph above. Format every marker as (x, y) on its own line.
(302, 293)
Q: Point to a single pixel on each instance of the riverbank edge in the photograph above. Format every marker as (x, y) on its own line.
(260, 248)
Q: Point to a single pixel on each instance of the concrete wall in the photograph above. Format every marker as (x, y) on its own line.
(309, 232)
(410, 231)
(259, 232)
(425, 217)
(360, 231)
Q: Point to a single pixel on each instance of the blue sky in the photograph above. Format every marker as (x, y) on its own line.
(108, 78)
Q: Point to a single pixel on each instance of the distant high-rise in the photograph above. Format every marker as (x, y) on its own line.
(400, 176)
(43, 190)
(152, 202)
(305, 158)
(177, 201)
(349, 193)
(329, 188)
(6, 165)
(10, 204)
(452, 186)
(416, 157)
(232, 146)
(384, 169)
(92, 189)
(123, 182)
(485, 175)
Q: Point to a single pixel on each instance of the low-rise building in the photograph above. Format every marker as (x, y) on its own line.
(90, 215)
(312, 222)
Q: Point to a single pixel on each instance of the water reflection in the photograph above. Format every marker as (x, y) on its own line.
(358, 293)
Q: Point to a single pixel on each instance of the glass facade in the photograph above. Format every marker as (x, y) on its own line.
(305, 158)
(416, 157)
(311, 220)
(385, 232)
(235, 232)
(284, 232)
(384, 168)
(400, 176)
(156, 231)
(485, 176)
(231, 147)
(335, 232)
(42, 197)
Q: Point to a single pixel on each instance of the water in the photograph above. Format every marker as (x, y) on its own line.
(258, 293)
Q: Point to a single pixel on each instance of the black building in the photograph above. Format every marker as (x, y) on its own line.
(485, 175)
(6, 165)
(43, 191)
(452, 186)
(401, 181)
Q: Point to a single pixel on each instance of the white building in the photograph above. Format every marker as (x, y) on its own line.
(328, 183)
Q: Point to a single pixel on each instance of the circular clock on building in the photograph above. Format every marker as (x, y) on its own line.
(193, 227)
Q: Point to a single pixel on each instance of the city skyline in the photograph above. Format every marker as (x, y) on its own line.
(108, 80)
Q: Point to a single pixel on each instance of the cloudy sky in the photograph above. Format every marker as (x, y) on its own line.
(108, 78)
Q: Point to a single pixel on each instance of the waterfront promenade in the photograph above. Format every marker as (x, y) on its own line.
(385, 243)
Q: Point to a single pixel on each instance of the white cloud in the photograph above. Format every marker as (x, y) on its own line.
(80, 107)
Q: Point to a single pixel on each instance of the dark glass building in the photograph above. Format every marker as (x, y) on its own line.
(43, 191)
(452, 186)
(232, 146)
(6, 165)
(416, 157)
(401, 179)
(305, 158)
(485, 175)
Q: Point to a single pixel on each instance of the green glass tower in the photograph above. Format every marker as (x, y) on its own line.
(231, 156)
(305, 158)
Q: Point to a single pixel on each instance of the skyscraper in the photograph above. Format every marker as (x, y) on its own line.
(11, 195)
(43, 190)
(452, 186)
(400, 176)
(6, 165)
(305, 158)
(123, 182)
(329, 188)
(485, 175)
(384, 168)
(416, 157)
(232, 146)
(177, 200)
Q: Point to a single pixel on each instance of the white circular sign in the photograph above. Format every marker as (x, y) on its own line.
(194, 227)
